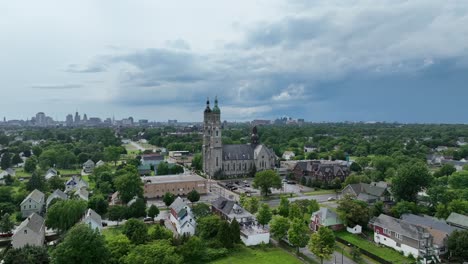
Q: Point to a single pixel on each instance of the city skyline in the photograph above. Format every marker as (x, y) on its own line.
(403, 61)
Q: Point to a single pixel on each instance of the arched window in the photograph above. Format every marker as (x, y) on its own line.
(216, 132)
(217, 162)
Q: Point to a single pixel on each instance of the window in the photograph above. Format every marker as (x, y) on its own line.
(217, 162)
(399, 236)
(25, 231)
(216, 132)
(29, 206)
(385, 231)
(398, 244)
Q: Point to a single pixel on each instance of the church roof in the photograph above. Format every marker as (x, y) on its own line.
(238, 152)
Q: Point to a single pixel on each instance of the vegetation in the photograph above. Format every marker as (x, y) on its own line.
(265, 180)
(322, 243)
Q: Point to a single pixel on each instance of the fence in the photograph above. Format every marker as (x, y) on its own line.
(364, 252)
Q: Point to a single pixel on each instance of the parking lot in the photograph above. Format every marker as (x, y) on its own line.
(246, 186)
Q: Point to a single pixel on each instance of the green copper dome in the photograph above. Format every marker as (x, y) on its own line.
(216, 108)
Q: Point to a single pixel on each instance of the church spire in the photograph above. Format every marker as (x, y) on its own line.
(216, 108)
(207, 109)
(254, 140)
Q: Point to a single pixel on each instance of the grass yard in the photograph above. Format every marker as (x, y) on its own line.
(320, 191)
(20, 173)
(70, 171)
(92, 184)
(109, 233)
(270, 255)
(383, 252)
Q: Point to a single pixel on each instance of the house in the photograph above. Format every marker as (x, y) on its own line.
(51, 173)
(82, 193)
(458, 164)
(115, 200)
(88, 166)
(308, 149)
(11, 172)
(182, 218)
(151, 159)
(288, 155)
(434, 159)
(368, 192)
(439, 230)
(402, 236)
(57, 194)
(93, 220)
(321, 170)
(30, 232)
(441, 148)
(75, 183)
(327, 218)
(251, 232)
(144, 170)
(33, 203)
(458, 220)
(100, 163)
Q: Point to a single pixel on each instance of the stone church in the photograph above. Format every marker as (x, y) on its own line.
(231, 160)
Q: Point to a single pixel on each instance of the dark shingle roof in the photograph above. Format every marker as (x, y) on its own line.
(400, 226)
(238, 152)
(429, 222)
(224, 205)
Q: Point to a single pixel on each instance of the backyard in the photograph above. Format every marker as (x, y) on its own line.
(269, 255)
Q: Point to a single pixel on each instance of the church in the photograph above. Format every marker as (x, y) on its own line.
(230, 161)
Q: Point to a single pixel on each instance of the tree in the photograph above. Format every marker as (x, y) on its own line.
(157, 232)
(36, 182)
(98, 203)
(322, 243)
(279, 226)
(64, 214)
(410, 179)
(265, 180)
(193, 196)
(404, 207)
(112, 153)
(197, 161)
(224, 235)
(137, 208)
(153, 211)
(161, 252)
(30, 164)
(136, 231)
(298, 234)
(119, 246)
(201, 210)
(72, 250)
(168, 199)
(445, 170)
(355, 167)
(16, 159)
(235, 231)
(6, 225)
(117, 213)
(193, 251)
(353, 212)
(207, 227)
(27, 255)
(283, 208)
(458, 243)
(56, 183)
(5, 162)
(295, 211)
(252, 204)
(377, 208)
(129, 185)
(264, 214)
(458, 180)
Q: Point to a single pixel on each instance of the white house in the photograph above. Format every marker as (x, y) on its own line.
(75, 183)
(82, 193)
(182, 218)
(57, 194)
(288, 155)
(88, 166)
(100, 163)
(30, 232)
(93, 220)
(51, 173)
(33, 203)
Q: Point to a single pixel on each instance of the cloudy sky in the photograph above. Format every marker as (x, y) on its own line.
(324, 60)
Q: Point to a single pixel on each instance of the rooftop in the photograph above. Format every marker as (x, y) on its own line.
(172, 178)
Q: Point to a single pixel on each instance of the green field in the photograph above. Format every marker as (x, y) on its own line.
(320, 191)
(383, 252)
(246, 255)
(108, 233)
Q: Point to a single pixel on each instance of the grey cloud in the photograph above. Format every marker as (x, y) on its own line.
(74, 68)
(178, 44)
(57, 86)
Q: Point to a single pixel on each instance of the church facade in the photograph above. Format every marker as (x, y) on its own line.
(231, 161)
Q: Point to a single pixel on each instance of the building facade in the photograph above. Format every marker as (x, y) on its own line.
(179, 185)
(231, 160)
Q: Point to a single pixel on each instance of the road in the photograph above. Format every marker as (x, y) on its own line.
(319, 197)
(337, 257)
(137, 146)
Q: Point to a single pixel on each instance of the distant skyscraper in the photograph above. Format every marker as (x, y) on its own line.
(69, 120)
(85, 118)
(77, 118)
(40, 119)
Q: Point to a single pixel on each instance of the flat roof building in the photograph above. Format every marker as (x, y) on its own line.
(179, 185)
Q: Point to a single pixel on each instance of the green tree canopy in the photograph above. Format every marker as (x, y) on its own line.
(279, 226)
(193, 196)
(153, 211)
(136, 231)
(264, 214)
(410, 179)
(168, 198)
(283, 208)
(27, 255)
(322, 243)
(119, 246)
(129, 185)
(64, 214)
(201, 210)
(159, 252)
(265, 180)
(457, 244)
(353, 212)
(298, 234)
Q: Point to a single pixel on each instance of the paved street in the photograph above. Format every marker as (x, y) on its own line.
(320, 198)
(337, 257)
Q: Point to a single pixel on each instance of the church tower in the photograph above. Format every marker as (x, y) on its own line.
(212, 145)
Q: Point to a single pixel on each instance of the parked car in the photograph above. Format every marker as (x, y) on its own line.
(148, 219)
(331, 199)
(104, 223)
(291, 182)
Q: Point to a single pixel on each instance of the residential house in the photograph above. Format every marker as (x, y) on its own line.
(322, 170)
(458, 164)
(75, 183)
(11, 172)
(51, 173)
(308, 149)
(115, 199)
(458, 220)
(57, 194)
(325, 217)
(182, 217)
(288, 155)
(369, 193)
(100, 163)
(33, 203)
(402, 236)
(252, 233)
(439, 230)
(144, 170)
(151, 159)
(3, 174)
(93, 220)
(434, 159)
(88, 166)
(82, 193)
(30, 232)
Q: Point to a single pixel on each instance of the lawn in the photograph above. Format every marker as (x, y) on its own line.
(383, 252)
(70, 172)
(20, 173)
(246, 255)
(320, 191)
(108, 233)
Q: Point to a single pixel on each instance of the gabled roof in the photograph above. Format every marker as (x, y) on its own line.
(369, 189)
(88, 163)
(179, 207)
(152, 157)
(82, 193)
(224, 205)
(238, 152)
(429, 222)
(56, 194)
(399, 226)
(327, 217)
(34, 222)
(458, 219)
(36, 196)
(91, 214)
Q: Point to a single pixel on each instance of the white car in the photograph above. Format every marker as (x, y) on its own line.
(331, 199)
